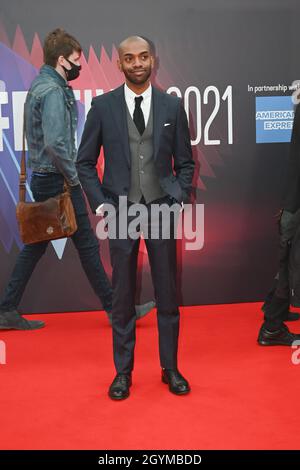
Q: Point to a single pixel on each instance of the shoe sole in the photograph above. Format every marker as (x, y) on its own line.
(119, 399)
(21, 329)
(262, 343)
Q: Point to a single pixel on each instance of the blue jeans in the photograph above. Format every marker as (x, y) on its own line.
(84, 240)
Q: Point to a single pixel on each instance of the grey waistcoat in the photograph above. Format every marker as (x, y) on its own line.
(144, 178)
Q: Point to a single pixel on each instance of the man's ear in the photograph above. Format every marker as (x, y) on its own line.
(119, 65)
(60, 60)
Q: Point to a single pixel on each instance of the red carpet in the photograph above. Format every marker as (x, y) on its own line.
(54, 386)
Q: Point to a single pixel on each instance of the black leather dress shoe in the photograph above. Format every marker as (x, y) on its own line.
(281, 337)
(177, 383)
(13, 321)
(119, 389)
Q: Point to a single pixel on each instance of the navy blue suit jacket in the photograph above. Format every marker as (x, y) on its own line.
(106, 126)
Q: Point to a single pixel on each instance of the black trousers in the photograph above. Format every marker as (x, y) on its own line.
(277, 302)
(162, 259)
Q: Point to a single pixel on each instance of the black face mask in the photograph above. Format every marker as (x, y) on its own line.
(74, 71)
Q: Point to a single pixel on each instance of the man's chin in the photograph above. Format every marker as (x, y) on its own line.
(138, 80)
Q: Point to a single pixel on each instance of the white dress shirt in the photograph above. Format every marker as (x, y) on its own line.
(145, 105)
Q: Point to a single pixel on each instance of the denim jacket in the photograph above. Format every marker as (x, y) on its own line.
(51, 121)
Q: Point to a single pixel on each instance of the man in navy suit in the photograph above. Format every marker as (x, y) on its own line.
(148, 158)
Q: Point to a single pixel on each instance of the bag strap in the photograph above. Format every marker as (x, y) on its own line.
(22, 184)
(66, 187)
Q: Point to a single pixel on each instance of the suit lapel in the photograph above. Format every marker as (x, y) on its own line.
(118, 108)
(159, 116)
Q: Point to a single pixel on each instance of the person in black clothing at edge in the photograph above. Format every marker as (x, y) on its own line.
(284, 291)
(51, 112)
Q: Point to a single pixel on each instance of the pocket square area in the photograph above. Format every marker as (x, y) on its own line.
(167, 124)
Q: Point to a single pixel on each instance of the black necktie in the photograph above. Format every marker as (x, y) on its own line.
(138, 116)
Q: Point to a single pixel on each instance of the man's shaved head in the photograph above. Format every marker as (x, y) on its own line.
(131, 40)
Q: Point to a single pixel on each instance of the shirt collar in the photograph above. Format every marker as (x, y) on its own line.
(129, 94)
(48, 70)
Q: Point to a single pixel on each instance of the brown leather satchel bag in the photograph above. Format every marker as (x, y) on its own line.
(48, 220)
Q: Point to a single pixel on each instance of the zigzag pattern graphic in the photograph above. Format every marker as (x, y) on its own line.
(19, 66)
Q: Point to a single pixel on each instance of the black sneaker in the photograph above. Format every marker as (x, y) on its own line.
(13, 321)
(281, 337)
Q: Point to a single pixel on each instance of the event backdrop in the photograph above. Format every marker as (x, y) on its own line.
(234, 64)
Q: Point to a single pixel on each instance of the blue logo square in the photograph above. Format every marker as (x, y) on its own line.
(274, 119)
